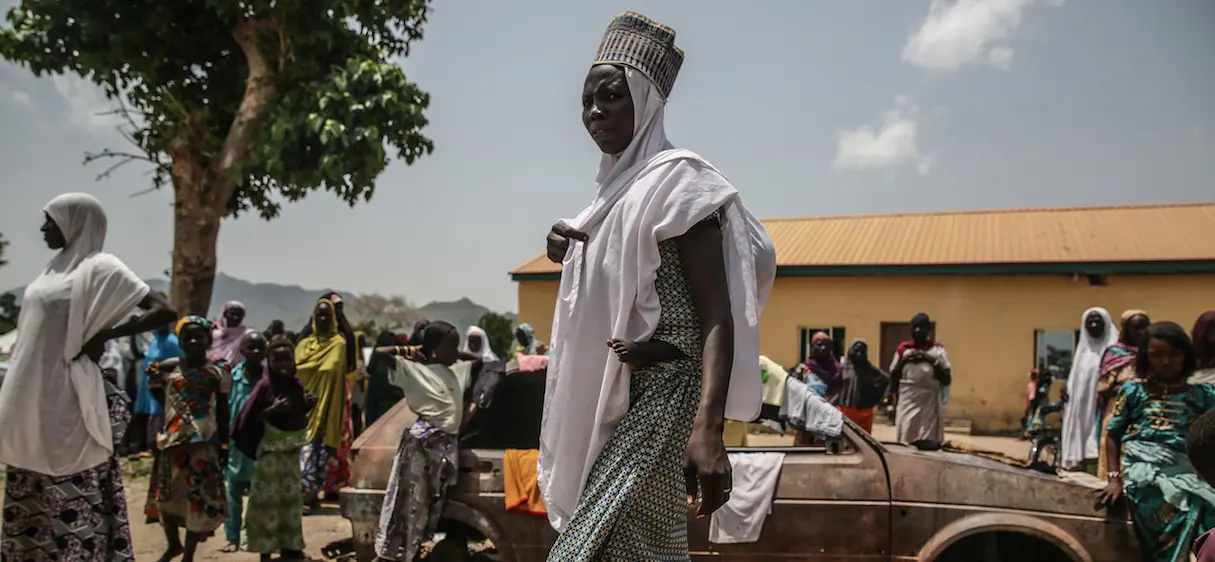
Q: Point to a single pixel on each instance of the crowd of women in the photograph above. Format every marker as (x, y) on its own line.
(225, 411)
(1134, 391)
(632, 430)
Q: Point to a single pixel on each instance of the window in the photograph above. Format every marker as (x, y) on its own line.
(838, 335)
(1055, 348)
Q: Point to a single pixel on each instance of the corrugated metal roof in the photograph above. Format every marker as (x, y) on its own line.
(1145, 233)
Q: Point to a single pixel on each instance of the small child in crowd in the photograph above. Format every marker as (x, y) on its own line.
(239, 472)
(1200, 447)
(189, 477)
(271, 429)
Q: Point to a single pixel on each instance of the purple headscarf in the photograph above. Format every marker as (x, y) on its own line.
(826, 368)
(250, 427)
(225, 339)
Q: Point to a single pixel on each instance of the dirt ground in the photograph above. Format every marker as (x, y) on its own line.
(149, 540)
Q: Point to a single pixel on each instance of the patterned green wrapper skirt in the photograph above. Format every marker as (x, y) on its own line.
(635, 505)
(273, 518)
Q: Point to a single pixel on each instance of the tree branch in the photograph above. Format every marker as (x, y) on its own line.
(124, 159)
(259, 87)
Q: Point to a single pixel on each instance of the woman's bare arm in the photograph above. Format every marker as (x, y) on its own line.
(159, 312)
(704, 263)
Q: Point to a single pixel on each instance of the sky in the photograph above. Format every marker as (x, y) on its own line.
(809, 108)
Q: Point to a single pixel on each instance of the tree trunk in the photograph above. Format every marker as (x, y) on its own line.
(195, 235)
(204, 186)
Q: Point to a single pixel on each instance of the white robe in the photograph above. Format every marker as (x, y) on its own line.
(647, 194)
(1080, 417)
(53, 414)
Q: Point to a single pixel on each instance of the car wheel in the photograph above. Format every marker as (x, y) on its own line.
(449, 551)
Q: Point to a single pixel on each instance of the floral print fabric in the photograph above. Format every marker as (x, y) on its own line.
(81, 517)
(422, 471)
(190, 488)
(190, 402)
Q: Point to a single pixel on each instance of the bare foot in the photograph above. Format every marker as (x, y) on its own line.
(173, 552)
(230, 548)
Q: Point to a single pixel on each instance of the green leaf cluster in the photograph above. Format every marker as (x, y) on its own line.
(340, 102)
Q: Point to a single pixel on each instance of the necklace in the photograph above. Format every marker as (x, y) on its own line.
(1169, 388)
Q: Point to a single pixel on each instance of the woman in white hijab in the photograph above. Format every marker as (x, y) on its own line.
(59, 420)
(476, 342)
(655, 336)
(1080, 416)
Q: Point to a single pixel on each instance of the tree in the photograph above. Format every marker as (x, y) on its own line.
(381, 312)
(500, 331)
(239, 105)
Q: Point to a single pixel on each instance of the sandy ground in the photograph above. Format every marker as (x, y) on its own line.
(149, 540)
(328, 525)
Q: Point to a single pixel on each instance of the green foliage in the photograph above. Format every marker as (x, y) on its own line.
(9, 311)
(501, 332)
(8, 302)
(335, 102)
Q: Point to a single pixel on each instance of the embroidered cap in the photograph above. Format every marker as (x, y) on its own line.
(644, 45)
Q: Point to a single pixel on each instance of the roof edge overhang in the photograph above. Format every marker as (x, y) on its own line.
(992, 269)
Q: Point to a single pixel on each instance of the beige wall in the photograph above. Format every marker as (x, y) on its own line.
(986, 323)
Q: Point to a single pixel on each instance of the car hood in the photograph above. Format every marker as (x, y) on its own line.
(967, 479)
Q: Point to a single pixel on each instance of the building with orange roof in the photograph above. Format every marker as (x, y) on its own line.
(1005, 288)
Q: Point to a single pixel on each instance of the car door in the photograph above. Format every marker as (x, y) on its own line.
(832, 504)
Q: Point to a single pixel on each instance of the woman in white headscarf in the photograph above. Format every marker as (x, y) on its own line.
(476, 342)
(670, 270)
(59, 420)
(1080, 415)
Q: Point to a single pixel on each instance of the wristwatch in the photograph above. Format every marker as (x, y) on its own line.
(1113, 474)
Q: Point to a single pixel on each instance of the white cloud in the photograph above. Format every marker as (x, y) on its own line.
(22, 98)
(86, 102)
(961, 32)
(892, 145)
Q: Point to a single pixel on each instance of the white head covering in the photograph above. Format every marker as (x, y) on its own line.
(1081, 431)
(54, 418)
(487, 354)
(649, 193)
(82, 221)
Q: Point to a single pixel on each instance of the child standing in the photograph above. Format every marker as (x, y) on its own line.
(272, 429)
(239, 472)
(189, 478)
(426, 462)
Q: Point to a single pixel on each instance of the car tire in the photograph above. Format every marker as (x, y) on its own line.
(449, 550)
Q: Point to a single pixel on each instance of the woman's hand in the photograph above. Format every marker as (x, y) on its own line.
(707, 471)
(559, 241)
(95, 347)
(1107, 497)
(279, 405)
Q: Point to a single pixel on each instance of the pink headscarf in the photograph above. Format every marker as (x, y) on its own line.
(225, 339)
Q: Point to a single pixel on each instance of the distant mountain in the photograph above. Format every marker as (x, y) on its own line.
(293, 304)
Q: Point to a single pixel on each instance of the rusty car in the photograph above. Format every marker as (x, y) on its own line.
(852, 499)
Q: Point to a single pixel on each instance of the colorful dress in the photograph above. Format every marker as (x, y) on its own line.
(320, 361)
(1170, 504)
(1117, 367)
(275, 505)
(635, 505)
(188, 478)
(80, 517)
(238, 474)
